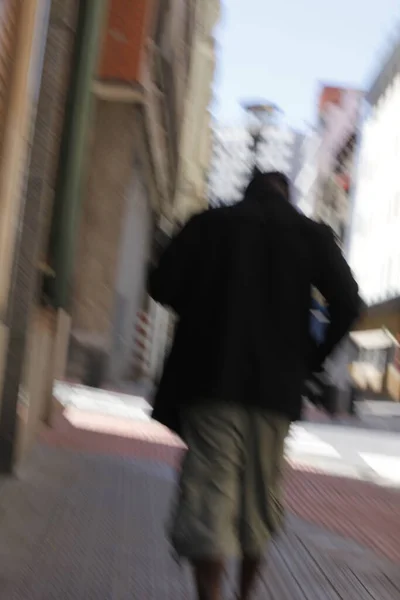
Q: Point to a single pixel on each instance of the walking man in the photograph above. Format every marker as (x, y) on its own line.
(239, 279)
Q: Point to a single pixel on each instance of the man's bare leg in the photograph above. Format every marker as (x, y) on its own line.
(208, 575)
(249, 572)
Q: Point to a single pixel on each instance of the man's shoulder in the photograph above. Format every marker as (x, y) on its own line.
(317, 231)
(239, 211)
(200, 224)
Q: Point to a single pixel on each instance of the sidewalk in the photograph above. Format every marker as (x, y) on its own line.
(131, 398)
(85, 520)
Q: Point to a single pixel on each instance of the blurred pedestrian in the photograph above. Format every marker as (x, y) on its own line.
(239, 278)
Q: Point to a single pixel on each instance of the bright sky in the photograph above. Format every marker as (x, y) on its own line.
(280, 51)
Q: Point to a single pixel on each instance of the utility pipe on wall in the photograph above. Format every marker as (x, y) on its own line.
(75, 145)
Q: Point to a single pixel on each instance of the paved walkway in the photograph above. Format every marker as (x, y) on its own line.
(342, 505)
(85, 518)
(80, 527)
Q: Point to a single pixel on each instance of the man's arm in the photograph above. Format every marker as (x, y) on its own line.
(336, 283)
(169, 280)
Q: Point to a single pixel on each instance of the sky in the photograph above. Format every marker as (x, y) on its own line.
(281, 51)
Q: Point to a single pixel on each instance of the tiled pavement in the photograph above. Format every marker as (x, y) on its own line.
(361, 511)
(87, 527)
(85, 520)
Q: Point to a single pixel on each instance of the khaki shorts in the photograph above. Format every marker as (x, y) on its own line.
(230, 498)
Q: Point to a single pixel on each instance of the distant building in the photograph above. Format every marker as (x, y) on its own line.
(306, 177)
(337, 136)
(324, 185)
(232, 159)
(133, 166)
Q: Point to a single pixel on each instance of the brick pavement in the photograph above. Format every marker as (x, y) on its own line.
(79, 526)
(361, 511)
(85, 520)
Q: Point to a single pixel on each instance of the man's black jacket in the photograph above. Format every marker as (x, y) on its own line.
(239, 279)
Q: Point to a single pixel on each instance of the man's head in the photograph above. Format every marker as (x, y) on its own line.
(263, 184)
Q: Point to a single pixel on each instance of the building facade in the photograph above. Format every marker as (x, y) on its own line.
(20, 72)
(53, 47)
(374, 241)
(196, 142)
(232, 158)
(92, 99)
(375, 248)
(133, 167)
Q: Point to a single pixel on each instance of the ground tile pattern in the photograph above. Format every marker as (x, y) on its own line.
(364, 512)
(81, 527)
(367, 513)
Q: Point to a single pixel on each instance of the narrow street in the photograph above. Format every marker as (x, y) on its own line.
(174, 184)
(85, 519)
(349, 451)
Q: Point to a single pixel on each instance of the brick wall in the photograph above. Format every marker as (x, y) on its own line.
(39, 195)
(8, 28)
(51, 110)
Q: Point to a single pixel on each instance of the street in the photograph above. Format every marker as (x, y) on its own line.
(348, 451)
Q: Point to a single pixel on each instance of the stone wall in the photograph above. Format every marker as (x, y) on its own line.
(110, 170)
(8, 29)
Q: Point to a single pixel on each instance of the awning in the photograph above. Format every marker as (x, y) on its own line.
(373, 339)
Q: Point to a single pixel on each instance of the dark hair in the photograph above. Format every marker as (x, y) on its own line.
(264, 183)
